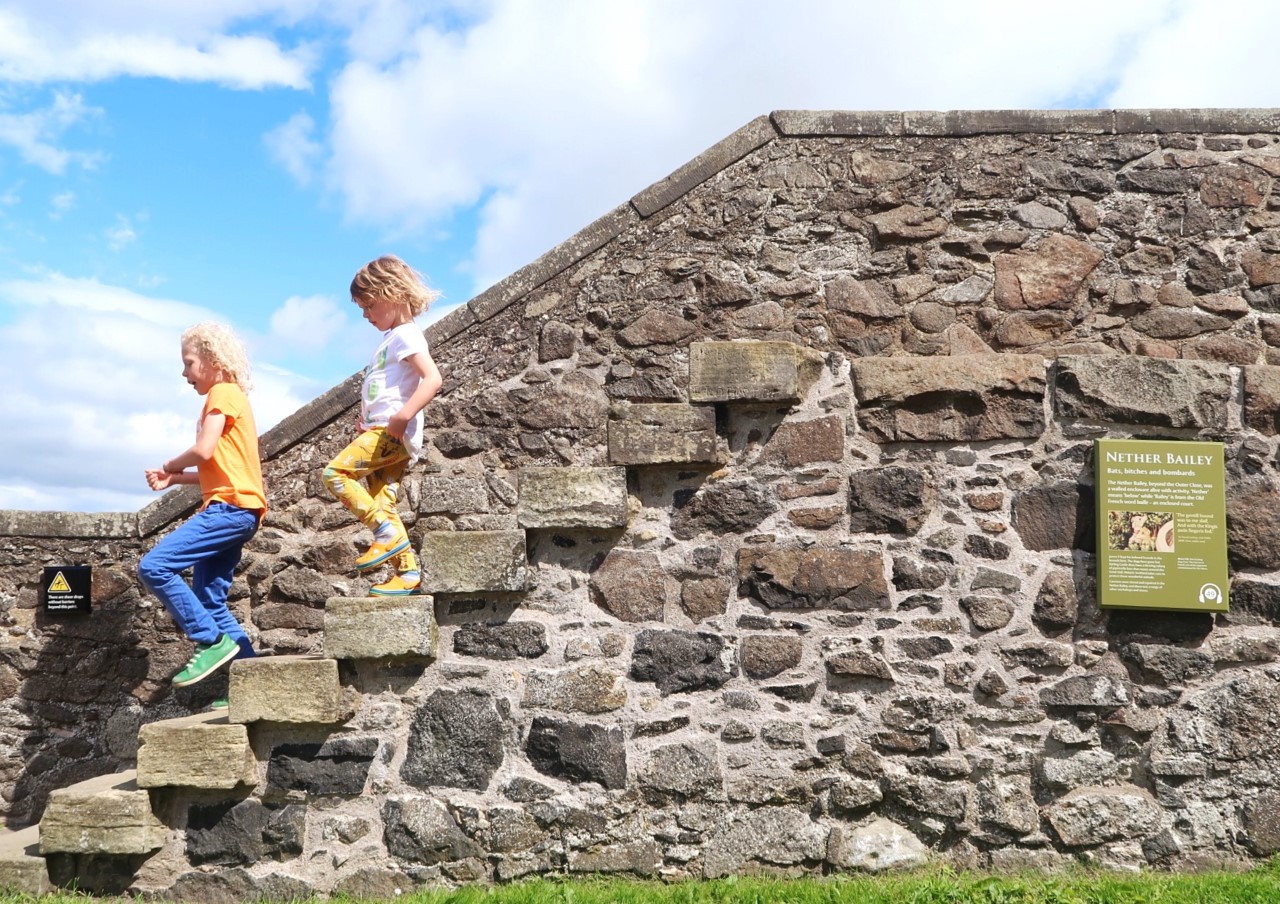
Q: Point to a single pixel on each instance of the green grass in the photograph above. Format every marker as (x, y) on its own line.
(1258, 886)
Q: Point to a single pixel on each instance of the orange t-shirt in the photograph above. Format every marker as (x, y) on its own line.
(234, 474)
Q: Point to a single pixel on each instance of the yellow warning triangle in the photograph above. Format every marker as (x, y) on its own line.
(59, 584)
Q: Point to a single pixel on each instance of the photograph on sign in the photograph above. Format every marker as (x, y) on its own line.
(1162, 534)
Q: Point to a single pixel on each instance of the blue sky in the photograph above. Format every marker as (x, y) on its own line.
(163, 163)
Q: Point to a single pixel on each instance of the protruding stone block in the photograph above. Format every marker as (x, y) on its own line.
(299, 689)
(22, 869)
(948, 399)
(475, 561)
(109, 814)
(1151, 391)
(573, 497)
(662, 433)
(750, 371)
(200, 751)
(380, 627)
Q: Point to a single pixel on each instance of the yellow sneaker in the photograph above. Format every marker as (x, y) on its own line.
(397, 586)
(379, 552)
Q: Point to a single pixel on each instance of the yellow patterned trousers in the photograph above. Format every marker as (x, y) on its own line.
(380, 460)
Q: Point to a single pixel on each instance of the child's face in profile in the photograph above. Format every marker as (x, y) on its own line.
(383, 314)
(197, 371)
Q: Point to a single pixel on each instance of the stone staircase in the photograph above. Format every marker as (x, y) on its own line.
(122, 814)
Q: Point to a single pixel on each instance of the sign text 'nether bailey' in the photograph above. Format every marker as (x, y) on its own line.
(1162, 525)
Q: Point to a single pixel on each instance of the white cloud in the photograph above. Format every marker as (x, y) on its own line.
(34, 134)
(1206, 56)
(292, 146)
(307, 324)
(94, 389)
(121, 234)
(548, 117)
(88, 42)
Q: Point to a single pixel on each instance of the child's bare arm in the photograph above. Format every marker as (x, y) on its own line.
(428, 385)
(202, 450)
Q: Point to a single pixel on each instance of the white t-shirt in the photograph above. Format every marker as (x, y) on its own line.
(388, 382)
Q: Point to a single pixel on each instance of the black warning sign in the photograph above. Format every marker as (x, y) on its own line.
(66, 589)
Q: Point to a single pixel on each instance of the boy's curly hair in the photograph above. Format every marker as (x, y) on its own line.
(219, 346)
(388, 277)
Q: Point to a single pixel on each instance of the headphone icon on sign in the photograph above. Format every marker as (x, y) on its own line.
(1210, 594)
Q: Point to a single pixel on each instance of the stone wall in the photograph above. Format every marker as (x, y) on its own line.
(758, 519)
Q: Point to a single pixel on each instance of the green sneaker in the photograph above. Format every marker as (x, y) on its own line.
(206, 660)
(220, 704)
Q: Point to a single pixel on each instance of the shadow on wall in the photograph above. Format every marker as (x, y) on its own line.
(77, 695)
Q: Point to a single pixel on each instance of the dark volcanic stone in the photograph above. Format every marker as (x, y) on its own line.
(578, 752)
(338, 766)
(509, 640)
(680, 661)
(455, 740)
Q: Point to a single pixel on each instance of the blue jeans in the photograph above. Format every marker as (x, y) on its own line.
(209, 543)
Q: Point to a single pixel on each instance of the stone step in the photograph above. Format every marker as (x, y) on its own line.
(22, 868)
(201, 751)
(296, 689)
(109, 814)
(380, 627)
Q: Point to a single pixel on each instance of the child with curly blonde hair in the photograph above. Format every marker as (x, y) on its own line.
(398, 383)
(224, 462)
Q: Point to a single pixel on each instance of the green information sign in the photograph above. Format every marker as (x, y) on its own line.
(1162, 525)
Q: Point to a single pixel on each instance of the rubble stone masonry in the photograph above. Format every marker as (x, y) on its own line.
(758, 521)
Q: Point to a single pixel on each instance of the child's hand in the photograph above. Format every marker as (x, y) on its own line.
(397, 424)
(159, 478)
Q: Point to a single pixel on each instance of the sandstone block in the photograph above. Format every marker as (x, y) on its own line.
(798, 443)
(947, 399)
(454, 495)
(1049, 276)
(298, 689)
(109, 814)
(22, 869)
(200, 751)
(1152, 391)
(380, 627)
(631, 584)
(750, 371)
(475, 561)
(831, 577)
(662, 433)
(573, 497)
